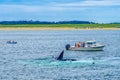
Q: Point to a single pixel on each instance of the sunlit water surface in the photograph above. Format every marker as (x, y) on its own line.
(32, 57)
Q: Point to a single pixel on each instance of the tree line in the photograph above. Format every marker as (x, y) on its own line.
(46, 22)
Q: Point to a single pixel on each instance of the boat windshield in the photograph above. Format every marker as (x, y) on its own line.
(90, 42)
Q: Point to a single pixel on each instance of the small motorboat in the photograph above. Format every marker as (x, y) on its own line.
(11, 42)
(86, 46)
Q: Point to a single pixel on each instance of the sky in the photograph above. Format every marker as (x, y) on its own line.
(100, 11)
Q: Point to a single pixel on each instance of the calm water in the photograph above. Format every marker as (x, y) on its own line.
(31, 58)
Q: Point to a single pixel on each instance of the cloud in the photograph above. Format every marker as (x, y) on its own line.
(18, 8)
(54, 10)
(92, 3)
(33, 8)
(82, 5)
(56, 6)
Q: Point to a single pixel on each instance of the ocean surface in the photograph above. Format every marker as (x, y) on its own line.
(32, 58)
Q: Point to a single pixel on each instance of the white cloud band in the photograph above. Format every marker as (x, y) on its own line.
(89, 3)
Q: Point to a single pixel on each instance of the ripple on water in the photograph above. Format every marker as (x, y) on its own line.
(30, 58)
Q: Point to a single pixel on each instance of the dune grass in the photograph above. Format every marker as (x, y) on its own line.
(76, 26)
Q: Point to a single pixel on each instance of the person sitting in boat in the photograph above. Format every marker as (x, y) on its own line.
(9, 41)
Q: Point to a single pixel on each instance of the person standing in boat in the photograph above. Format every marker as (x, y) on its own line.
(79, 44)
(75, 45)
(83, 44)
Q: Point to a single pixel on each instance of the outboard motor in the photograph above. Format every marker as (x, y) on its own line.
(67, 46)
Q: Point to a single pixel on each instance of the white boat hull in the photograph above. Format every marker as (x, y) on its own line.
(86, 46)
(97, 48)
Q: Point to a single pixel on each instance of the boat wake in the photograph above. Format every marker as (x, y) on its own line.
(47, 62)
(60, 61)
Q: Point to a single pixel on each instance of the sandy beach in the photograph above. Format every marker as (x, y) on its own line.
(55, 28)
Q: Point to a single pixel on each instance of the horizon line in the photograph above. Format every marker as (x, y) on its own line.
(59, 21)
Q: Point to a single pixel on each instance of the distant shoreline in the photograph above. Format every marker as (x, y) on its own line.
(60, 27)
(54, 28)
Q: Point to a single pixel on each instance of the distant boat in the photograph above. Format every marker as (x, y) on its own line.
(86, 46)
(11, 42)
